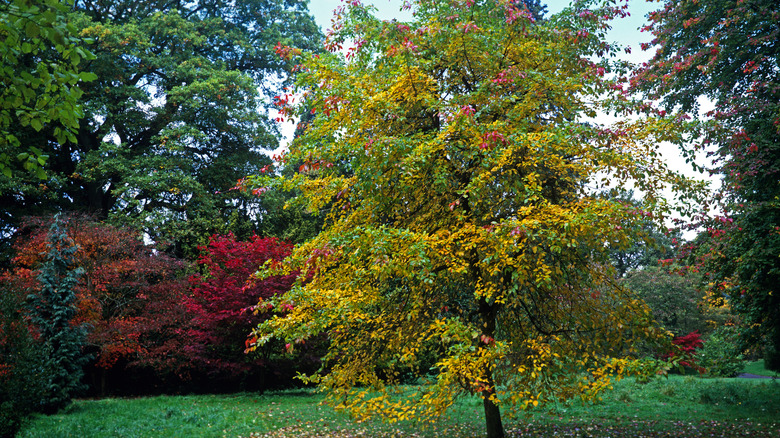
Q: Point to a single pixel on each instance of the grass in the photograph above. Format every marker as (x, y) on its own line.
(680, 406)
(757, 368)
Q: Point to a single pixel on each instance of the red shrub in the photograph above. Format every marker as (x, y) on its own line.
(221, 302)
(121, 275)
(687, 345)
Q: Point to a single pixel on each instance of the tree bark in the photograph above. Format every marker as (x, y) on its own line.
(495, 428)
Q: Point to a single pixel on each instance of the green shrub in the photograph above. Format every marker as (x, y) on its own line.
(22, 373)
(721, 355)
(52, 311)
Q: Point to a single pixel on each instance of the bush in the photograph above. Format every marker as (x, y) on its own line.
(122, 281)
(22, 373)
(721, 355)
(201, 338)
(688, 346)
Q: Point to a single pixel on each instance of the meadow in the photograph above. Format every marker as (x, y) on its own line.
(677, 406)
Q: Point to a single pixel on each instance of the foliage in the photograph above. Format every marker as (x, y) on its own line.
(146, 318)
(675, 299)
(687, 346)
(728, 51)
(452, 159)
(721, 355)
(200, 337)
(39, 71)
(22, 364)
(673, 407)
(41, 57)
(178, 114)
(290, 224)
(221, 305)
(52, 313)
(656, 243)
(120, 277)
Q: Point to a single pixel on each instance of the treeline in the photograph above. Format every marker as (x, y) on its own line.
(443, 206)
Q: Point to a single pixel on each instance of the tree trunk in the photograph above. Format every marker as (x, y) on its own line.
(495, 428)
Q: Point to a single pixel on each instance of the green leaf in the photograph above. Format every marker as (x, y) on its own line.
(32, 30)
(36, 124)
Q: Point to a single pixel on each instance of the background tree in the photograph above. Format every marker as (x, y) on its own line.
(176, 116)
(221, 307)
(200, 338)
(674, 298)
(451, 158)
(729, 51)
(52, 313)
(654, 242)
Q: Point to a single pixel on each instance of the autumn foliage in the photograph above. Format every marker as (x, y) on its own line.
(149, 321)
(221, 306)
(687, 346)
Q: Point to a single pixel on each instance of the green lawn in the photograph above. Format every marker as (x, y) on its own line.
(758, 369)
(680, 406)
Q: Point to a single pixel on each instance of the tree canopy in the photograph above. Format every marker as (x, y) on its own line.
(458, 169)
(729, 51)
(177, 115)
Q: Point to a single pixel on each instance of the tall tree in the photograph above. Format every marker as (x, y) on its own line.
(729, 51)
(177, 115)
(52, 311)
(459, 180)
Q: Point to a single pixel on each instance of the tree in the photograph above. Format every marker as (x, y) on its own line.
(675, 299)
(456, 171)
(52, 312)
(201, 337)
(729, 51)
(656, 243)
(40, 72)
(177, 115)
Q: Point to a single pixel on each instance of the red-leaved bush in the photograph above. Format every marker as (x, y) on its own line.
(152, 329)
(121, 275)
(687, 345)
(222, 300)
(207, 349)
